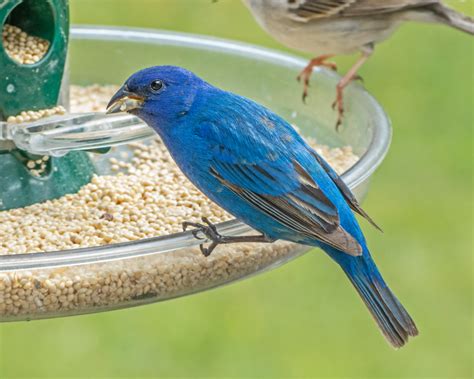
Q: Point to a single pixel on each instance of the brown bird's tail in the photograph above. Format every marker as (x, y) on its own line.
(453, 18)
(441, 14)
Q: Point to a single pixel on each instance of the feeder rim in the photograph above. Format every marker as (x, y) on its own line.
(366, 165)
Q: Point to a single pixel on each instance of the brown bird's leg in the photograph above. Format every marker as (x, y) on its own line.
(305, 75)
(211, 233)
(344, 82)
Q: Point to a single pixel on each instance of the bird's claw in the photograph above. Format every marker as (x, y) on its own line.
(304, 97)
(198, 228)
(210, 225)
(358, 78)
(338, 105)
(331, 65)
(340, 115)
(209, 230)
(196, 235)
(338, 123)
(306, 73)
(187, 224)
(206, 251)
(305, 77)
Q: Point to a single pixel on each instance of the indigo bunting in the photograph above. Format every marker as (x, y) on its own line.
(332, 27)
(256, 166)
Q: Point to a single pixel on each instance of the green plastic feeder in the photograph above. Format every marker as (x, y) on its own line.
(33, 87)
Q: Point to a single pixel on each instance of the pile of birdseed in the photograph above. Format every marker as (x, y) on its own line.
(21, 47)
(26, 295)
(30, 116)
(147, 197)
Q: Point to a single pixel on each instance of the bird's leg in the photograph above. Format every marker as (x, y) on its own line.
(305, 75)
(344, 82)
(211, 233)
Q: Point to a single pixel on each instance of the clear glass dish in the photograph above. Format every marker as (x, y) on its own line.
(71, 282)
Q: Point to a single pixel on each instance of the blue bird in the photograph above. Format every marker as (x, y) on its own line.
(256, 166)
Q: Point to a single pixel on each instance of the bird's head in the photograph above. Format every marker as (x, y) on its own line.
(158, 95)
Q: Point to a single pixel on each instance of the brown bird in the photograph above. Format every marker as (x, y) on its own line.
(334, 27)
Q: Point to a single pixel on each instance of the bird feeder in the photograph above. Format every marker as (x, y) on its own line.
(31, 87)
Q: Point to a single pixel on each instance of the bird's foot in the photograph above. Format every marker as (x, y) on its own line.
(348, 78)
(338, 105)
(305, 74)
(210, 232)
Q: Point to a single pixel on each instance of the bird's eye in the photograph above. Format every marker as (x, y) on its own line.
(156, 85)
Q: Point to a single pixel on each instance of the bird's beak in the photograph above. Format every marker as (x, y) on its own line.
(124, 101)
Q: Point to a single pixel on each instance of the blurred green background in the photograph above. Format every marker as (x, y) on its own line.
(304, 319)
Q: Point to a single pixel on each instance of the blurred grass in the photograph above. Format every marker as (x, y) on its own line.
(304, 319)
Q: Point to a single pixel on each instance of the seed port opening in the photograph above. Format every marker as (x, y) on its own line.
(39, 167)
(28, 32)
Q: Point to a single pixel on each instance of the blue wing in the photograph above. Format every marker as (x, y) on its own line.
(270, 177)
(345, 190)
(262, 159)
(302, 206)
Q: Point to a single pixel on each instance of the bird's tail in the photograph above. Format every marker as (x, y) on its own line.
(391, 317)
(453, 18)
(440, 13)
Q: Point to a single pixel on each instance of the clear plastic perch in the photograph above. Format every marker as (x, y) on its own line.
(58, 135)
(120, 275)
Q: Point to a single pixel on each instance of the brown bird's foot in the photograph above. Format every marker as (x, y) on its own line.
(339, 105)
(210, 232)
(305, 74)
(351, 75)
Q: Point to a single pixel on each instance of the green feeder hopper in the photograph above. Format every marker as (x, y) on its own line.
(25, 87)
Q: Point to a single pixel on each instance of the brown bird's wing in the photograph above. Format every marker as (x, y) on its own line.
(305, 10)
(311, 9)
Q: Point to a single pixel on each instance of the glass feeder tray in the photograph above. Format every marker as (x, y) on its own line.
(71, 282)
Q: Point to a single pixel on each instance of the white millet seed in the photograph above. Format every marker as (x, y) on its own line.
(21, 47)
(149, 197)
(29, 116)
